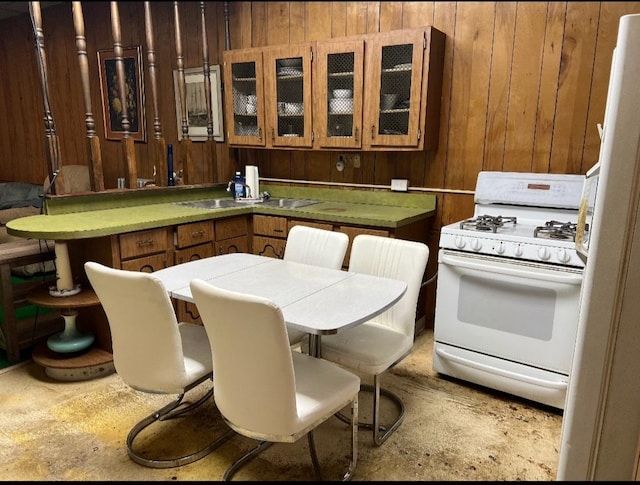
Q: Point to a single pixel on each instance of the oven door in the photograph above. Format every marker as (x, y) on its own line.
(514, 310)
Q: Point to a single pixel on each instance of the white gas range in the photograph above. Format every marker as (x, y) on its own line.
(508, 286)
(521, 216)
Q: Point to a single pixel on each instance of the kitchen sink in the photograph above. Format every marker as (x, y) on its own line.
(224, 203)
(228, 202)
(289, 203)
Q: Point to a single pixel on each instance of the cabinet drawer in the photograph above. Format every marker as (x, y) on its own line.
(232, 227)
(194, 253)
(238, 244)
(270, 225)
(195, 233)
(269, 246)
(318, 225)
(147, 264)
(142, 243)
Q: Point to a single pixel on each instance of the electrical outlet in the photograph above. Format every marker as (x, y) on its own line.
(399, 185)
(352, 159)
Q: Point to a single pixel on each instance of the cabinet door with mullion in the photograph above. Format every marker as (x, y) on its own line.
(244, 97)
(393, 98)
(287, 81)
(338, 93)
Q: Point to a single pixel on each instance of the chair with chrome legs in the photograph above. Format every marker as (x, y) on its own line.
(264, 390)
(320, 247)
(375, 346)
(152, 352)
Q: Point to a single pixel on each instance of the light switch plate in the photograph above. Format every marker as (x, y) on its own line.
(399, 185)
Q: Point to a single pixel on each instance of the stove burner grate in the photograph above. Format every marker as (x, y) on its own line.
(487, 223)
(556, 230)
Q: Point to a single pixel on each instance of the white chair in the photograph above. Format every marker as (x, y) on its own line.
(377, 345)
(315, 246)
(152, 352)
(264, 390)
(320, 247)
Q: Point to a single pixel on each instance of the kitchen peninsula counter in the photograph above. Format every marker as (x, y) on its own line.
(117, 212)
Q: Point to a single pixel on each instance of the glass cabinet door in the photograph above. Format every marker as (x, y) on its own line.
(288, 95)
(338, 92)
(244, 102)
(393, 108)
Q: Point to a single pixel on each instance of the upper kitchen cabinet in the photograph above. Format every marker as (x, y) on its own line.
(404, 87)
(288, 96)
(244, 97)
(366, 92)
(338, 93)
(270, 100)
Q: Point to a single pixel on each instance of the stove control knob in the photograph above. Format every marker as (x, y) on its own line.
(500, 248)
(476, 245)
(564, 256)
(459, 242)
(543, 253)
(518, 251)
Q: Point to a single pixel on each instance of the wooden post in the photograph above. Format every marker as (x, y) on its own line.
(128, 149)
(210, 148)
(93, 143)
(52, 144)
(185, 143)
(159, 150)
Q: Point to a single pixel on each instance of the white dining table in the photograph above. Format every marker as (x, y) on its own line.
(314, 299)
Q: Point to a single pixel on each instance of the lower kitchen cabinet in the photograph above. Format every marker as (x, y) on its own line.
(269, 235)
(193, 241)
(231, 235)
(146, 251)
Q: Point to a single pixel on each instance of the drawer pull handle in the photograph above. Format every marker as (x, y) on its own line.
(278, 230)
(197, 233)
(145, 242)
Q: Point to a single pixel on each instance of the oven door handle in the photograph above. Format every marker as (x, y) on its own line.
(501, 268)
(501, 372)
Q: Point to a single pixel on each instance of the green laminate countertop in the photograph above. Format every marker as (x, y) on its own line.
(116, 212)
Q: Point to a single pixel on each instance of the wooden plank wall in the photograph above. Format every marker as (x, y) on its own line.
(524, 87)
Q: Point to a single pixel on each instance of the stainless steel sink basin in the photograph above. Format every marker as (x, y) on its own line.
(228, 202)
(289, 203)
(213, 203)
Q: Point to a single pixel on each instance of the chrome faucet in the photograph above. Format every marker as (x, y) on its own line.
(231, 184)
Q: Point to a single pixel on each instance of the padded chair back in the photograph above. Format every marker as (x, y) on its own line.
(251, 357)
(315, 246)
(147, 348)
(398, 259)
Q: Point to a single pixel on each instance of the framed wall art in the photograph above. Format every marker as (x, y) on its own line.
(196, 102)
(111, 104)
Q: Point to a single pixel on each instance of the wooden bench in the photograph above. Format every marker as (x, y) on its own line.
(15, 334)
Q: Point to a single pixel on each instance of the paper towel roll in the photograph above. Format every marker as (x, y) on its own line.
(251, 177)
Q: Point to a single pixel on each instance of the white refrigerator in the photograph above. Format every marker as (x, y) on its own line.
(601, 423)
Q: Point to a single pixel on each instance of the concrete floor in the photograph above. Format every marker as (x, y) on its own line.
(52, 430)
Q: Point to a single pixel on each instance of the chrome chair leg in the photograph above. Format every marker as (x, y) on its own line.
(314, 455)
(377, 391)
(235, 466)
(170, 411)
(354, 441)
